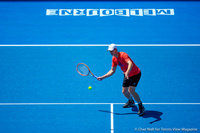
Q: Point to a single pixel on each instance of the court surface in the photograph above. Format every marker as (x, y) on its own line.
(41, 90)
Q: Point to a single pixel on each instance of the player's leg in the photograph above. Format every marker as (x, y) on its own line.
(135, 95)
(126, 93)
(137, 98)
(133, 84)
(125, 87)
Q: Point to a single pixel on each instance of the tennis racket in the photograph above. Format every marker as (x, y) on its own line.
(84, 70)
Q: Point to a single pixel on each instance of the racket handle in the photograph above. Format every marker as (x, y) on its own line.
(95, 76)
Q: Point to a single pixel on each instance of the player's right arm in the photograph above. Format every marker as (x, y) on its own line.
(110, 73)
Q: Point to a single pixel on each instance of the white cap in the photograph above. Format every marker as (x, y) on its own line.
(111, 47)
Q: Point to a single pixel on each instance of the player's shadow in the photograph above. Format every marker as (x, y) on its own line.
(150, 114)
(147, 114)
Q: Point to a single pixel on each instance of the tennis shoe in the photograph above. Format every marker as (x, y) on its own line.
(129, 104)
(141, 110)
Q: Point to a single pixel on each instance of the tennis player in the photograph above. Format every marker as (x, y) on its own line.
(132, 76)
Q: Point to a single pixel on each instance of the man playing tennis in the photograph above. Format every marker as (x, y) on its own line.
(132, 76)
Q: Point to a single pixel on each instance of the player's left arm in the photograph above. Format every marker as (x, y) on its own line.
(130, 65)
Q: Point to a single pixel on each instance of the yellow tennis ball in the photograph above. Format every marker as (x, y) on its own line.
(90, 87)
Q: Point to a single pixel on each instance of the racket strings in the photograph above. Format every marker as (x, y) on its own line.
(83, 69)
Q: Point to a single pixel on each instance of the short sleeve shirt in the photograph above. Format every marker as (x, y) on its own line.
(122, 60)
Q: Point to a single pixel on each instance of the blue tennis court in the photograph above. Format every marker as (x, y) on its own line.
(42, 43)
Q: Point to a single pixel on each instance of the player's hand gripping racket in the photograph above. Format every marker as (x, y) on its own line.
(84, 70)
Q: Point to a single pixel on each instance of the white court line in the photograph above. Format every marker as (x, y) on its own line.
(95, 104)
(111, 118)
(83, 45)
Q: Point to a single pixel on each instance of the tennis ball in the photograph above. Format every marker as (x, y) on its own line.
(90, 87)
